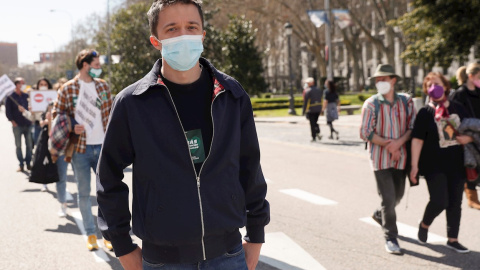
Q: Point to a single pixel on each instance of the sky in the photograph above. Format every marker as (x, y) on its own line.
(35, 29)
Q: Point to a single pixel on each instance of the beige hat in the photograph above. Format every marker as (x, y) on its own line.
(384, 70)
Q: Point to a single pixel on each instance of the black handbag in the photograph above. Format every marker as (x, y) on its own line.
(44, 171)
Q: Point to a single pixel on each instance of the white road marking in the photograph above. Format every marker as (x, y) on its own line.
(409, 231)
(309, 197)
(282, 252)
(68, 196)
(99, 255)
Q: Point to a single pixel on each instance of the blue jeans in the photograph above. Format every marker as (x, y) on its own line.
(62, 166)
(18, 131)
(232, 260)
(82, 163)
(36, 132)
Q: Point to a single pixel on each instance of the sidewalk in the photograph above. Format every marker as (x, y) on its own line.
(343, 120)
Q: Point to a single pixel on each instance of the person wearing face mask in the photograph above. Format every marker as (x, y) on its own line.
(437, 154)
(188, 130)
(468, 94)
(88, 88)
(20, 124)
(36, 117)
(387, 122)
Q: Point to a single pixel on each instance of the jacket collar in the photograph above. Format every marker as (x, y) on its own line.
(221, 81)
(382, 99)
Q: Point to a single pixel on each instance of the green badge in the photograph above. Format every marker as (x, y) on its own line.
(195, 144)
(104, 96)
(99, 103)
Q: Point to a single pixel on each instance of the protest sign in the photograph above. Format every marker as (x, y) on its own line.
(39, 99)
(86, 110)
(6, 86)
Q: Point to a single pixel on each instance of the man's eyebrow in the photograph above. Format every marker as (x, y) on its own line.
(173, 23)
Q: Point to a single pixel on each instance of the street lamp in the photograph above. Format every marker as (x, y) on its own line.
(71, 33)
(288, 31)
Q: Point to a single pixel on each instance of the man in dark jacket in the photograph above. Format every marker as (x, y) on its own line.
(20, 124)
(189, 132)
(312, 107)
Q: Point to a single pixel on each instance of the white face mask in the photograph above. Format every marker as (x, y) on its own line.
(383, 87)
(43, 88)
(23, 87)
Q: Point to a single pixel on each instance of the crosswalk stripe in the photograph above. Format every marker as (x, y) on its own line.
(282, 252)
(307, 196)
(409, 231)
(68, 196)
(99, 255)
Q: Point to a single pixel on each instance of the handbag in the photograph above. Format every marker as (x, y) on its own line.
(472, 174)
(44, 171)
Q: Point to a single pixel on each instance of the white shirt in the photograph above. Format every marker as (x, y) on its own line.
(94, 131)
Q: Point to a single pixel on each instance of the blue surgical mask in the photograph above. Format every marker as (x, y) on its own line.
(182, 53)
(95, 72)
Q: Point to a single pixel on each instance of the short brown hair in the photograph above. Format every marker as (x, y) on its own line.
(158, 5)
(85, 56)
(444, 80)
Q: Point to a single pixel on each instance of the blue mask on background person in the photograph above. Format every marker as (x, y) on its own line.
(182, 52)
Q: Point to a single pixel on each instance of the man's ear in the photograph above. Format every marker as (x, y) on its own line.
(155, 43)
(204, 34)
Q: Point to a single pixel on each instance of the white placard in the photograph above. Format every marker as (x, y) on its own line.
(86, 110)
(6, 86)
(39, 99)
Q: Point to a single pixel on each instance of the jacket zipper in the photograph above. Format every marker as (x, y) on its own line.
(197, 176)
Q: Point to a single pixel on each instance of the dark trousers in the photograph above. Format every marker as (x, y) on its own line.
(390, 187)
(314, 127)
(446, 192)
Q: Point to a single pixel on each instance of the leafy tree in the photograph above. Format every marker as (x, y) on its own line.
(129, 38)
(440, 31)
(242, 59)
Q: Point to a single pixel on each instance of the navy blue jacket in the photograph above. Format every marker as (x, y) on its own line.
(181, 217)
(11, 109)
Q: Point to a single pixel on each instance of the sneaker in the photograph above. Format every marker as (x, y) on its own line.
(459, 248)
(377, 216)
(92, 242)
(422, 234)
(319, 136)
(108, 244)
(392, 247)
(63, 210)
(44, 188)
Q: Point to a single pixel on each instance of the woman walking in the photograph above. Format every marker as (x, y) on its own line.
(468, 94)
(331, 105)
(437, 154)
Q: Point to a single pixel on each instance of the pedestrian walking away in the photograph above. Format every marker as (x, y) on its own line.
(21, 126)
(437, 154)
(468, 94)
(87, 99)
(331, 107)
(312, 107)
(189, 132)
(387, 122)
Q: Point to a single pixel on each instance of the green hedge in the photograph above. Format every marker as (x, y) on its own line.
(281, 103)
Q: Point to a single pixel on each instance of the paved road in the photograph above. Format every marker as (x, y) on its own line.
(321, 196)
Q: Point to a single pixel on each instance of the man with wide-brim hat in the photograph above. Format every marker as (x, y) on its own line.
(387, 122)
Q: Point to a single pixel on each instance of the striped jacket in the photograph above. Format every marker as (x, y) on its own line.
(390, 122)
(66, 102)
